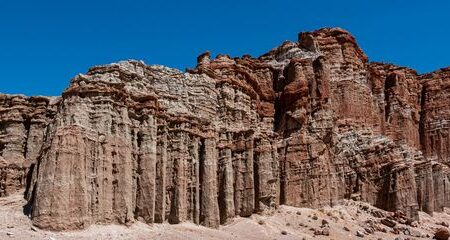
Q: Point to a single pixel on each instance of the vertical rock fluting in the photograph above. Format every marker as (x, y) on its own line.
(436, 115)
(397, 91)
(23, 126)
(142, 147)
(435, 137)
(307, 124)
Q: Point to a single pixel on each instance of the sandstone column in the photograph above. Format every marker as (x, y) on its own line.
(226, 186)
(266, 182)
(195, 184)
(146, 185)
(209, 206)
(179, 155)
(160, 198)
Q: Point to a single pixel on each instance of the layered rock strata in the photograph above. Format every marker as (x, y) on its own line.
(308, 124)
(23, 126)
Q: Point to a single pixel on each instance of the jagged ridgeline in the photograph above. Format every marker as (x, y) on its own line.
(308, 124)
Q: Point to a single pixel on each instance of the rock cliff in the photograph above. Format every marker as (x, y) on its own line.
(308, 124)
(23, 126)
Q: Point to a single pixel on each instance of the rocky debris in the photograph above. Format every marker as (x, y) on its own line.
(441, 234)
(377, 214)
(309, 124)
(416, 233)
(445, 224)
(360, 234)
(240, 228)
(388, 222)
(324, 231)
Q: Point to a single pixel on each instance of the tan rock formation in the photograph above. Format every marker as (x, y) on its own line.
(23, 123)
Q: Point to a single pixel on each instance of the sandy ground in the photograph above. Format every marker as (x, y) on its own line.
(342, 222)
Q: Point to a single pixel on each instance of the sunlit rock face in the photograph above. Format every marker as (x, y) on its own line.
(23, 127)
(308, 124)
(436, 115)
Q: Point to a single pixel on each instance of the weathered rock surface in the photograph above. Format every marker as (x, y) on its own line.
(308, 124)
(436, 115)
(23, 123)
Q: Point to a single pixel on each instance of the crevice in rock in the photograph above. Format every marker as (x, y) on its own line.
(422, 139)
(173, 216)
(283, 174)
(2, 148)
(391, 81)
(280, 77)
(256, 180)
(28, 207)
(201, 156)
(27, 125)
(28, 180)
(222, 186)
(139, 171)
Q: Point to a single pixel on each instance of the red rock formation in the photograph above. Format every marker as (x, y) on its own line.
(436, 115)
(397, 92)
(435, 137)
(308, 124)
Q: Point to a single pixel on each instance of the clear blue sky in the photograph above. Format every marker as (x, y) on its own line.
(43, 44)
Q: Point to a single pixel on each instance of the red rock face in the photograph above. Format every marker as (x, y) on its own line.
(308, 124)
(436, 115)
(435, 138)
(336, 134)
(397, 91)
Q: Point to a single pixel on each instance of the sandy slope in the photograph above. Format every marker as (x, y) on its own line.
(285, 223)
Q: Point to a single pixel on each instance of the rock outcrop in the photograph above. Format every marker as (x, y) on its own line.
(436, 115)
(23, 126)
(435, 137)
(308, 124)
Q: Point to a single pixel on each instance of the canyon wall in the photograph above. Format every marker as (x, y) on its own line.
(307, 124)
